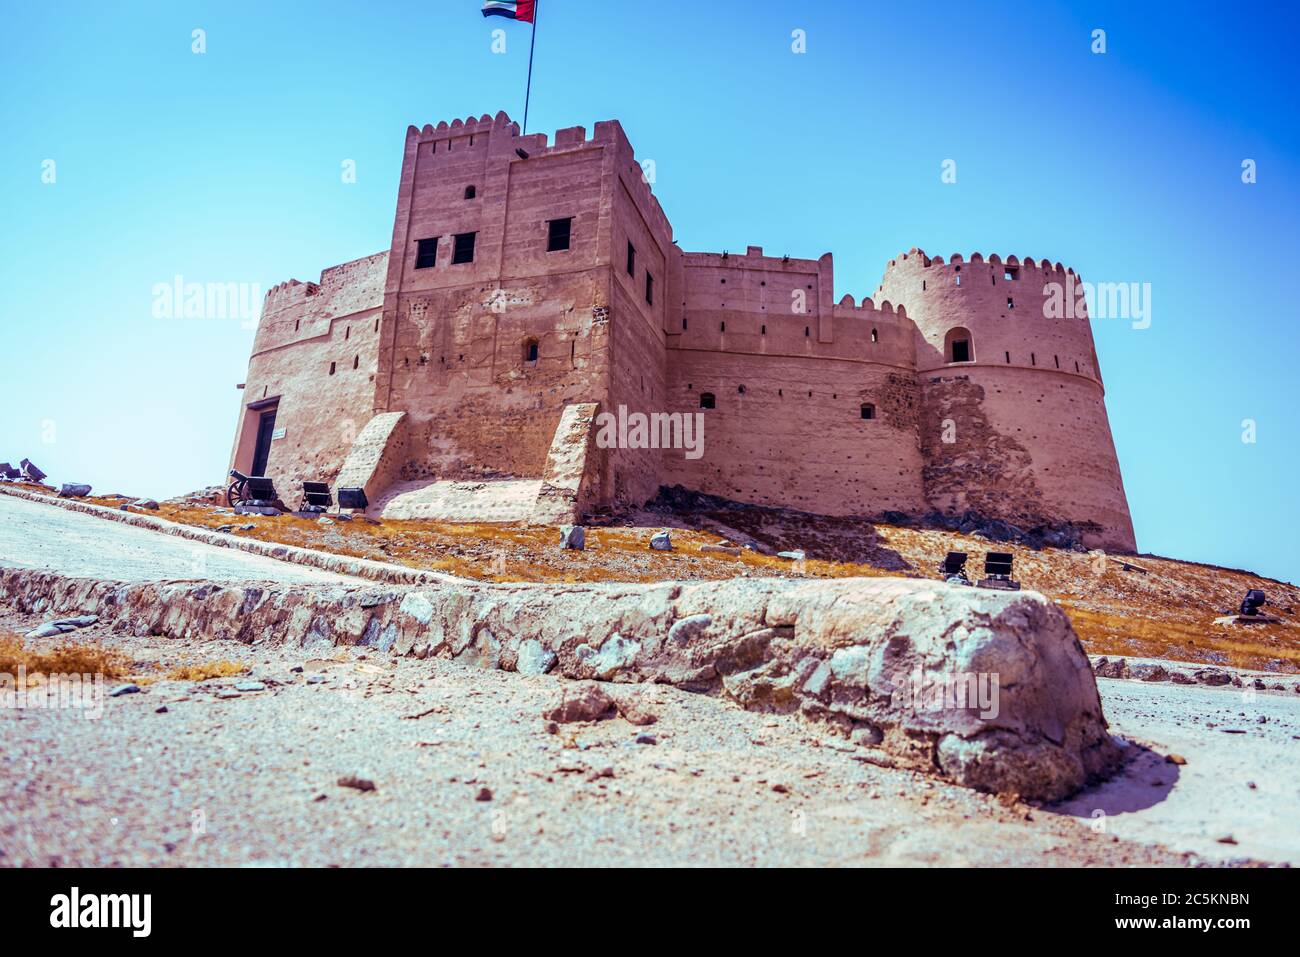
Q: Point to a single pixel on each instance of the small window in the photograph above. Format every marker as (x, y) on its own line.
(1011, 273)
(1076, 367)
(706, 400)
(649, 289)
(1057, 360)
(463, 252)
(1010, 303)
(331, 368)
(1033, 359)
(868, 411)
(722, 326)
(558, 234)
(875, 336)
(470, 192)
(740, 389)
(959, 279)
(762, 330)
(807, 331)
(1008, 355)
(426, 253)
(631, 259)
(530, 350)
(961, 350)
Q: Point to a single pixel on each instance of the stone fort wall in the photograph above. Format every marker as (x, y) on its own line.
(835, 407)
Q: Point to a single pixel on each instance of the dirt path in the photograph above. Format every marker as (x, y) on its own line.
(253, 780)
(39, 536)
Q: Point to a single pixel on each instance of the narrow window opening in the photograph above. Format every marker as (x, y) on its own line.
(471, 192)
(631, 259)
(530, 350)
(723, 324)
(649, 289)
(706, 400)
(875, 336)
(1076, 367)
(740, 389)
(762, 330)
(1057, 360)
(868, 411)
(1008, 355)
(464, 249)
(807, 331)
(356, 361)
(376, 323)
(331, 368)
(297, 324)
(347, 333)
(1010, 303)
(558, 232)
(1033, 359)
(426, 252)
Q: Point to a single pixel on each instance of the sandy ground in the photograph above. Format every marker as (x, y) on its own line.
(39, 536)
(253, 779)
(1239, 791)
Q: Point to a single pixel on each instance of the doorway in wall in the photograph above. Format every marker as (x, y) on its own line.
(265, 430)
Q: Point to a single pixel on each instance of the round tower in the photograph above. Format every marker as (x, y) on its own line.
(1013, 420)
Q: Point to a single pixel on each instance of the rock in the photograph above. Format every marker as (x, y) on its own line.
(615, 655)
(145, 503)
(1112, 669)
(315, 679)
(1259, 685)
(720, 550)
(74, 490)
(635, 711)
(1173, 758)
(124, 689)
(323, 520)
(484, 794)
(62, 626)
(162, 709)
(357, 782)
(661, 542)
(1212, 676)
(645, 739)
(250, 686)
(1180, 678)
(1149, 672)
(228, 693)
(533, 658)
(225, 529)
(794, 556)
(584, 701)
(573, 537)
(1227, 839)
(683, 630)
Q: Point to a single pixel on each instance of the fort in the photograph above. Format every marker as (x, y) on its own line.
(532, 284)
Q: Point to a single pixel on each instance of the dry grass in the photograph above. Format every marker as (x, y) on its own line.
(204, 670)
(68, 658)
(1166, 609)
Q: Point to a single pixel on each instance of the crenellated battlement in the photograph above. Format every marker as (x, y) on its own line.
(915, 256)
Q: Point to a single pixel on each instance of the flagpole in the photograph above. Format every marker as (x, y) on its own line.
(531, 46)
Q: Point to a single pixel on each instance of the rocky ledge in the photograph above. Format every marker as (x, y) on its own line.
(990, 690)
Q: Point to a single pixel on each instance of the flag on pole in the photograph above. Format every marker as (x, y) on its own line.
(518, 10)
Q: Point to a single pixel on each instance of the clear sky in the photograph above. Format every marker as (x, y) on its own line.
(226, 167)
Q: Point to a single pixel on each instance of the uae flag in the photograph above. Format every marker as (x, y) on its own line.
(519, 10)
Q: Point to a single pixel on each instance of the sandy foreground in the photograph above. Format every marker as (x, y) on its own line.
(466, 772)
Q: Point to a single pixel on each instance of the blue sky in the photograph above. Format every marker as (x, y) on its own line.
(225, 167)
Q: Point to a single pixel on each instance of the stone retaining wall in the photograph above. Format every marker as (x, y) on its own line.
(841, 652)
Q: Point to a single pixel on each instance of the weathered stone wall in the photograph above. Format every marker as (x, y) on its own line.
(857, 655)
